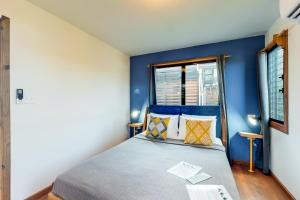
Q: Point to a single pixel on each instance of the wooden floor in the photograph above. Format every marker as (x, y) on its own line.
(43, 198)
(253, 186)
(257, 186)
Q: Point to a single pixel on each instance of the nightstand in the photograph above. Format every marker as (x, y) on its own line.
(135, 126)
(251, 136)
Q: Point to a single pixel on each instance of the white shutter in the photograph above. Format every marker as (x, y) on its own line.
(168, 86)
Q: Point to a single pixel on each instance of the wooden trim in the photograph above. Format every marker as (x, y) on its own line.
(281, 127)
(5, 108)
(52, 196)
(278, 40)
(145, 119)
(251, 135)
(187, 61)
(40, 194)
(282, 41)
(270, 46)
(242, 162)
(181, 62)
(282, 186)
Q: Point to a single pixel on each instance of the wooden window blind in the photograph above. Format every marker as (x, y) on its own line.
(191, 85)
(188, 84)
(168, 85)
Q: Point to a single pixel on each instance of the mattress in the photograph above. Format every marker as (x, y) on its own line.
(137, 170)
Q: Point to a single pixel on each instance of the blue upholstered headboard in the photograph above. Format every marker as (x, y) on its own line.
(191, 110)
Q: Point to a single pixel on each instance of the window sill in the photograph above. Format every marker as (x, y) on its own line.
(280, 127)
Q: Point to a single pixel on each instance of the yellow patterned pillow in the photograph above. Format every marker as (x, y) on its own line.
(158, 128)
(198, 132)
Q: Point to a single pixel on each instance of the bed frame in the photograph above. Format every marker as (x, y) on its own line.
(192, 110)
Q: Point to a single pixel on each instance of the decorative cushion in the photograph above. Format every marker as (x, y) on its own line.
(213, 130)
(158, 128)
(198, 132)
(172, 126)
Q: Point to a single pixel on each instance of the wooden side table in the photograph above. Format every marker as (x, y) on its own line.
(251, 136)
(135, 126)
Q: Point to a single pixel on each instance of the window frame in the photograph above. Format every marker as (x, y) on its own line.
(183, 64)
(282, 41)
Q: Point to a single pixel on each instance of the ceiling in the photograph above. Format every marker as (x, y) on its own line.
(144, 26)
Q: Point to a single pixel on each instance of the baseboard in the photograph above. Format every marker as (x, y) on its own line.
(41, 193)
(241, 162)
(282, 186)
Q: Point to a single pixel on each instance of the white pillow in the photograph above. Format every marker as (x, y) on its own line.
(182, 125)
(172, 126)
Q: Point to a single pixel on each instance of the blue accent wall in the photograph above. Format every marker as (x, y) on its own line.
(241, 83)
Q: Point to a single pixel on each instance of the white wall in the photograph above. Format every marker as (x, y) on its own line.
(80, 91)
(285, 159)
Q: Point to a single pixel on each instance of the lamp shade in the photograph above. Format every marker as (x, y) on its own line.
(253, 119)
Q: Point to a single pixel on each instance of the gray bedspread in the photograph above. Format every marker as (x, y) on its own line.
(137, 170)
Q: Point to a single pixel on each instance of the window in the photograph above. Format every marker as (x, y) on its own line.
(277, 55)
(188, 84)
(275, 81)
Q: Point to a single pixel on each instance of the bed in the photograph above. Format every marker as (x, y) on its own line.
(137, 168)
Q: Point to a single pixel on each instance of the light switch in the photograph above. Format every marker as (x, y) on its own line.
(19, 95)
